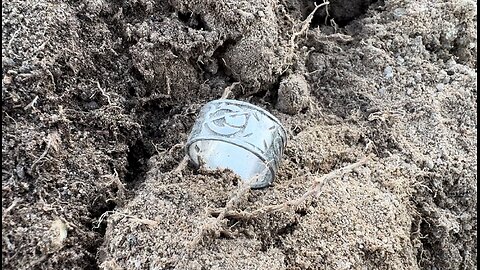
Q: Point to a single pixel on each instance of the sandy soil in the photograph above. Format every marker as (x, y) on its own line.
(98, 98)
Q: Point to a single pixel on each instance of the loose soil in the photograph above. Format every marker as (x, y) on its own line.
(98, 98)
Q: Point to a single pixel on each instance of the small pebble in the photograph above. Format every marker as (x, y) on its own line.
(399, 12)
(382, 91)
(418, 76)
(7, 61)
(388, 72)
(92, 105)
(7, 80)
(451, 63)
(20, 170)
(429, 164)
(400, 60)
(440, 87)
(293, 94)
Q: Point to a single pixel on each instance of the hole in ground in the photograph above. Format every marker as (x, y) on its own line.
(287, 229)
(267, 96)
(342, 11)
(223, 70)
(136, 170)
(193, 21)
(137, 167)
(97, 208)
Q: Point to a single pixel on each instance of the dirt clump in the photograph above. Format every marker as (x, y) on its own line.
(293, 94)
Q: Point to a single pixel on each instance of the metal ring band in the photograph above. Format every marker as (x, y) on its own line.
(238, 136)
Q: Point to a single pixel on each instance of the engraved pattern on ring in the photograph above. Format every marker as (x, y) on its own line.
(237, 122)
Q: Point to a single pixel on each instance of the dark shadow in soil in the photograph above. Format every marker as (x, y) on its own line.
(343, 11)
(100, 206)
(267, 97)
(136, 164)
(193, 21)
(223, 70)
(437, 246)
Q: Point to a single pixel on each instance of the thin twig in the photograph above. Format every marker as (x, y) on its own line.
(304, 28)
(314, 189)
(11, 118)
(104, 93)
(168, 83)
(116, 180)
(51, 142)
(305, 24)
(9, 44)
(327, 14)
(228, 90)
(214, 224)
(149, 222)
(182, 165)
(14, 203)
(31, 104)
(175, 147)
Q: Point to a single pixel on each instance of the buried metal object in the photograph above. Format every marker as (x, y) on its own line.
(239, 136)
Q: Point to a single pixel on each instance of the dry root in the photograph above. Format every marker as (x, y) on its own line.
(114, 179)
(303, 30)
(314, 190)
(182, 165)
(215, 226)
(53, 141)
(228, 90)
(149, 222)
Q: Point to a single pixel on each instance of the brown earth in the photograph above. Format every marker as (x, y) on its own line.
(98, 97)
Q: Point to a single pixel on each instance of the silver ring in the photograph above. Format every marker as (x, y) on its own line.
(239, 136)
